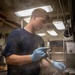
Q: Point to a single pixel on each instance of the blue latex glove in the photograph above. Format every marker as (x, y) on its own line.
(39, 53)
(59, 66)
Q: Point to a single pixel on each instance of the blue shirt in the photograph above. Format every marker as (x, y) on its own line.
(21, 42)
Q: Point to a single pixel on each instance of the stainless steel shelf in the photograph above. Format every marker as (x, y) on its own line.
(57, 52)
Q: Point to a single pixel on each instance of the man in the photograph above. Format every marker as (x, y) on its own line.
(21, 52)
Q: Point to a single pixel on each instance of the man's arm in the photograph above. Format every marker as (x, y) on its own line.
(38, 54)
(57, 65)
(18, 59)
(44, 63)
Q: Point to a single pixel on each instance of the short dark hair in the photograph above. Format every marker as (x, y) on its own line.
(39, 12)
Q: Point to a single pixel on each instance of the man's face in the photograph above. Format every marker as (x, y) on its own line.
(39, 23)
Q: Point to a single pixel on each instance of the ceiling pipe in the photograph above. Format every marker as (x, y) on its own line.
(63, 11)
(10, 23)
(68, 31)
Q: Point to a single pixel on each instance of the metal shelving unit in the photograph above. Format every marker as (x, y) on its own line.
(69, 56)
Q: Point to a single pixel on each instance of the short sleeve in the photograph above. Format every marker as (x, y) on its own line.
(12, 44)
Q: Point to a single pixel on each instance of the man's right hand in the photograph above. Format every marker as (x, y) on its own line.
(39, 53)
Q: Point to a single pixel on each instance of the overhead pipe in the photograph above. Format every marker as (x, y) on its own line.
(10, 23)
(63, 11)
(68, 31)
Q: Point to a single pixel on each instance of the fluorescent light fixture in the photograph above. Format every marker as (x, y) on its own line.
(59, 25)
(52, 32)
(28, 12)
(27, 19)
(41, 34)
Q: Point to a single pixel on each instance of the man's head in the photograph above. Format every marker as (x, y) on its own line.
(39, 17)
(40, 13)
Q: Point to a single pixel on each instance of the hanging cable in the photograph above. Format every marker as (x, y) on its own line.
(62, 9)
(67, 32)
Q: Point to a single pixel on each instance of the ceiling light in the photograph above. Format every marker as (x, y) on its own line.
(52, 32)
(28, 12)
(59, 25)
(41, 34)
(27, 19)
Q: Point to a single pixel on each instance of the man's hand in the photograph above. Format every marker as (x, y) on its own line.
(59, 65)
(39, 53)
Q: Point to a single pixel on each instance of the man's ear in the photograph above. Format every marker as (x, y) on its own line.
(34, 17)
